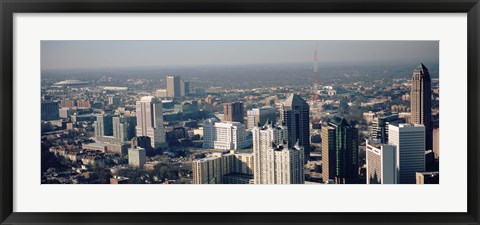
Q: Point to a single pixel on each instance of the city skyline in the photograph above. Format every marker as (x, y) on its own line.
(370, 124)
(122, 54)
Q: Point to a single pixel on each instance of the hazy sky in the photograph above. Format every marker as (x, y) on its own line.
(97, 54)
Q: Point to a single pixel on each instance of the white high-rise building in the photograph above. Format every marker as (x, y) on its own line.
(173, 86)
(409, 140)
(224, 135)
(381, 163)
(275, 163)
(150, 120)
(137, 157)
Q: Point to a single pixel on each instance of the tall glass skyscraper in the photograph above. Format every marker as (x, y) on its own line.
(295, 114)
(409, 139)
(339, 151)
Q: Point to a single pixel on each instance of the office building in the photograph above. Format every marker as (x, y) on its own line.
(184, 88)
(380, 126)
(112, 130)
(436, 142)
(68, 103)
(381, 163)
(149, 114)
(233, 112)
(161, 93)
(224, 135)
(427, 177)
(409, 139)
(65, 113)
(143, 142)
(83, 104)
(114, 100)
(103, 126)
(50, 110)
(258, 117)
(173, 86)
(137, 157)
(339, 152)
(421, 102)
(187, 108)
(368, 116)
(275, 162)
(329, 155)
(120, 128)
(295, 114)
(132, 123)
(121, 149)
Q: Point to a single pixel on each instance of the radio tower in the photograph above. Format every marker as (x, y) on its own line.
(315, 76)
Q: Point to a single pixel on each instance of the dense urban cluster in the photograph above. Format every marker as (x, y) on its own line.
(169, 130)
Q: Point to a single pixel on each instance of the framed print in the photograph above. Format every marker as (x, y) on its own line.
(258, 112)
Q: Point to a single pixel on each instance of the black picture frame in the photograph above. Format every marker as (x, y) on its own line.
(9, 7)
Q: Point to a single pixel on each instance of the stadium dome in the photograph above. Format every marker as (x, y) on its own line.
(71, 83)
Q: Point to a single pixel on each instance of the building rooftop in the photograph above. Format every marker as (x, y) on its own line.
(147, 98)
(96, 144)
(206, 159)
(294, 99)
(339, 121)
(71, 82)
(408, 125)
(429, 173)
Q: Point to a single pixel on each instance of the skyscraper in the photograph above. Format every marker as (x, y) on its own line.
(329, 156)
(112, 130)
(132, 122)
(233, 112)
(275, 162)
(120, 128)
(436, 143)
(421, 102)
(295, 114)
(409, 139)
(173, 86)
(381, 163)
(184, 88)
(150, 120)
(260, 116)
(103, 126)
(380, 126)
(339, 151)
